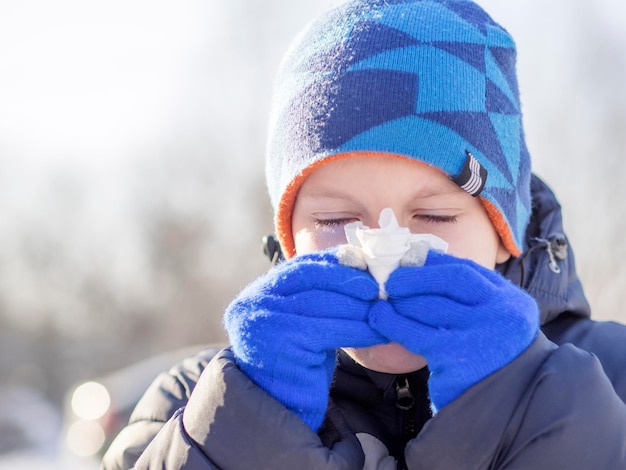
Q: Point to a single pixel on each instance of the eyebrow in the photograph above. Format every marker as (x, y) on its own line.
(429, 193)
(326, 192)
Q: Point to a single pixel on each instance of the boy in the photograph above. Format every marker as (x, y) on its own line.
(408, 105)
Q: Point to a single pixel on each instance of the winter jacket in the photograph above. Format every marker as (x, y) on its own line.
(560, 404)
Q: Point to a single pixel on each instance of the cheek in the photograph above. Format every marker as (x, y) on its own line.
(308, 241)
(478, 246)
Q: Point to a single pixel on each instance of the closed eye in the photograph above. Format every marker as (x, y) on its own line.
(437, 219)
(327, 223)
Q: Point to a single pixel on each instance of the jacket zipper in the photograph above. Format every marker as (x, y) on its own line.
(405, 401)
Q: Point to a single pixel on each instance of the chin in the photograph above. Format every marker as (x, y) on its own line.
(388, 358)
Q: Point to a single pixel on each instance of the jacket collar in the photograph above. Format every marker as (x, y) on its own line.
(546, 269)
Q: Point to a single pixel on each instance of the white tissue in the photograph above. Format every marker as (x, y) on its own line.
(384, 249)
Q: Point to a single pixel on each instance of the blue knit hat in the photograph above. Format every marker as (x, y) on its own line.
(430, 80)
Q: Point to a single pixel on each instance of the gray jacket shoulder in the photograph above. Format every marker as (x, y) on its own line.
(523, 417)
(229, 422)
(192, 417)
(167, 393)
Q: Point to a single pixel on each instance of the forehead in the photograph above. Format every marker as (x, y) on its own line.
(378, 174)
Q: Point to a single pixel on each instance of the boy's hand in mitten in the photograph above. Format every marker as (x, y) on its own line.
(285, 327)
(466, 320)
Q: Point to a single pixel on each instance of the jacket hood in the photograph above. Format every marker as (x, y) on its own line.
(546, 269)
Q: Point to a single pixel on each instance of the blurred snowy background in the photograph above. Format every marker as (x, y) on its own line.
(132, 199)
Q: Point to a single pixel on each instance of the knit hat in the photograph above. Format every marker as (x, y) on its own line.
(429, 80)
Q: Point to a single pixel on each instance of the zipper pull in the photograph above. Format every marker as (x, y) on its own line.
(557, 250)
(405, 399)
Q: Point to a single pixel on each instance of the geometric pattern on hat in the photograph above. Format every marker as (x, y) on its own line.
(427, 79)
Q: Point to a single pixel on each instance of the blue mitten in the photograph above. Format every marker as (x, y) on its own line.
(466, 320)
(284, 328)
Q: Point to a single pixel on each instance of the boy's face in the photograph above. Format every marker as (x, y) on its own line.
(423, 199)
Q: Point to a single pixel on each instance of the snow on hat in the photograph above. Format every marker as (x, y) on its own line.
(431, 80)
